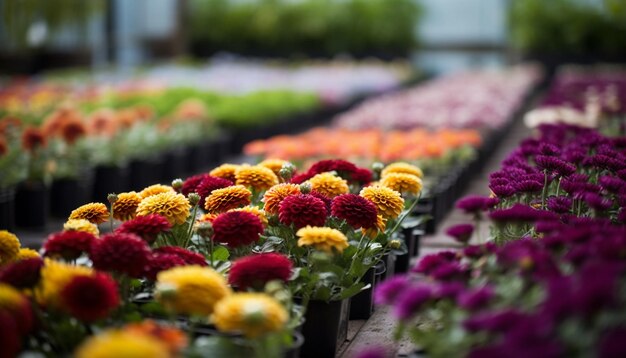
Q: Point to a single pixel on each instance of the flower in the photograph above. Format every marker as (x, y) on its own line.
(210, 183)
(502, 191)
(33, 138)
(225, 199)
(373, 352)
(559, 204)
(411, 300)
(190, 184)
(389, 202)
(81, 225)
(22, 274)
(237, 228)
(147, 227)
(597, 202)
(493, 321)
(256, 270)
(125, 208)
(9, 247)
(387, 292)
(16, 320)
(519, 212)
(54, 276)
(461, 232)
(401, 167)
(429, 263)
(276, 194)
(379, 226)
(175, 339)
(476, 299)
(68, 245)
(90, 298)
(115, 344)
(528, 186)
(274, 165)
(162, 262)
(322, 238)
(329, 185)
(225, 171)
(189, 257)
(72, 130)
(253, 314)
(155, 189)
(120, 252)
(473, 203)
(95, 213)
(192, 290)
(302, 210)
(402, 183)
(254, 210)
(174, 207)
(344, 169)
(357, 211)
(256, 177)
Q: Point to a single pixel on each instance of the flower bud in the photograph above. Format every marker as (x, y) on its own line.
(287, 170)
(177, 184)
(395, 244)
(204, 229)
(378, 167)
(112, 198)
(305, 188)
(194, 198)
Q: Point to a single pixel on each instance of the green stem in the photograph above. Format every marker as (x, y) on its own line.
(191, 224)
(211, 252)
(558, 187)
(545, 189)
(406, 213)
(111, 217)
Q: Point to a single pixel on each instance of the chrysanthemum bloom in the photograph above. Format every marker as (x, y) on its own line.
(473, 204)
(528, 186)
(155, 189)
(26, 253)
(401, 167)
(380, 226)
(9, 247)
(344, 169)
(257, 177)
(387, 292)
(174, 207)
(237, 228)
(276, 194)
(175, 339)
(597, 202)
(22, 274)
(388, 202)
(475, 299)
(73, 130)
(402, 183)
(253, 314)
(611, 184)
(322, 238)
(225, 171)
(559, 204)
(16, 320)
(225, 199)
(68, 245)
(502, 191)
(54, 276)
(256, 270)
(147, 227)
(254, 210)
(124, 253)
(410, 301)
(191, 184)
(274, 165)
(95, 213)
(329, 185)
(207, 217)
(81, 225)
(191, 290)
(188, 256)
(90, 298)
(125, 207)
(33, 138)
(162, 262)
(114, 344)
(429, 263)
(302, 210)
(209, 184)
(521, 213)
(357, 211)
(461, 233)
(300, 178)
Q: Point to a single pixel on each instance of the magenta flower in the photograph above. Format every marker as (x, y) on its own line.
(411, 300)
(387, 292)
(461, 233)
(474, 203)
(476, 299)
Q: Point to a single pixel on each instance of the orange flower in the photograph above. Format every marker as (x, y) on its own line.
(257, 177)
(225, 171)
(173, 338)
(274, 165)
(95, 213)
(329, 185)
(275, 195)
(155, 189)
(72, 130)
(102, 122)
(125, 208)
(232, 197)
(33, 138)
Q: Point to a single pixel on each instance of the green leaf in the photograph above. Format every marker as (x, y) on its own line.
(353, 290)
(221, 254)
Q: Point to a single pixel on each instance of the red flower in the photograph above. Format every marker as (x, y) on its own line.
(191, 184)
(237, 228)
(22, 274)
(188, 257)
(301, 178)
(147, 227)
(210, 183)
(125, 253)
(162, 262)
(68, 245)
(90, 298)
(344, 169)
(16, 321)
(256, 270)
(327, 201)
(355, 210)
(302, 210)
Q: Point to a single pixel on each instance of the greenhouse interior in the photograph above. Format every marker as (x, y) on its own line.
(312, 178)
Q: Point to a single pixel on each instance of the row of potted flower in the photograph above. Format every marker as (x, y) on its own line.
(238, 261)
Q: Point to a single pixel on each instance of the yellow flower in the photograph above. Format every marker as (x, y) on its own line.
(254, 210)
(226, 171)
(10, 298)
(122, 344)
(322, 238)
(232, 197)
(81, 225)
(172, 206)
(389, 202)
(274, 165)
(253, 314)
(402, 183)
(275, 195)
(95, 213)
(381, 225)
(329, 185)
(207, 217)
(257, 177)
(125, 208)
(192, 290)
(402, 167)
(26, 253)
(9, 247)
(155, 189)
(54, 277)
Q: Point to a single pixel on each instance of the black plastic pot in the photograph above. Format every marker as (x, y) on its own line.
(173, 166)
(145, 172)
(109, 179)
(31, 205)
(362, 304)
(193, 158)
(67, 194)
(325, 328)
(390, 264)
(7, 208)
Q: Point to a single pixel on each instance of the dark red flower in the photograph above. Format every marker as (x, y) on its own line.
(474, 203)
(461, 232)
(237, 228)
(302, 210)
(68, 245)
(22, 274)
(301, 178)
(90, 298)
(147, 227)
(431, 262)
(344, 169)
(256, 270)
(327, 201)
(191, 184)
(189, 257)
(355, 210)
(161, 262)
(120, 252)
(210, 183)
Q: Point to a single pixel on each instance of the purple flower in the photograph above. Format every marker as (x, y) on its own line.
(532, 336)
(621, 216)
(602, 161)
(503, 191)
(597, 202)
(475, 299)
(527, 255)
(575, 155)
(549, 149)
(559, 204)
(449, 290)
(519, 212)
(611, 184)
(622, 173)
(528, 186)
(547, 226)
(499, 181)
(450, 271)
(496, 322)
(611, 343)
(476, 251)
(411, 300)
(388, 291)
(474, 203)
(430, 262)
(548, 163)
(461, 233)
(372, 352)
